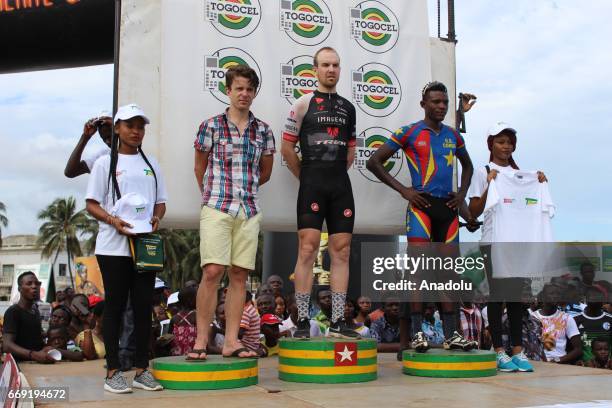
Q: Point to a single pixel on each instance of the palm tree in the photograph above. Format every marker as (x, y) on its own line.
(91, 229)
(190, 265)
(3, 220)
(60, 230)
(175, 247)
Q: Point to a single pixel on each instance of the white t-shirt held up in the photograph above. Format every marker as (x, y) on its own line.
(133, 176)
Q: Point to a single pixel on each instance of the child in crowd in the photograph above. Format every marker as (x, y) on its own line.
(364, 307)
(601, 354)
(351, 314)
(269, 325)
(281, 308)
(249, 327)
(216, 333)
(57, 337)
(183, 324)
(91, 340)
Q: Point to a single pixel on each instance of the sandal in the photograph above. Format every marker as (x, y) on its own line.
(198, 352)
(236, 353)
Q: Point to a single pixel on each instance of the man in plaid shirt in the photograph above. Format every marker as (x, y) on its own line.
(233, 157)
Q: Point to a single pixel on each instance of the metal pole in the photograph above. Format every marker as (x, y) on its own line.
(451, 21)
(116, 56)
(438, 18)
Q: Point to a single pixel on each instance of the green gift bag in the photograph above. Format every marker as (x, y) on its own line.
(147, 252)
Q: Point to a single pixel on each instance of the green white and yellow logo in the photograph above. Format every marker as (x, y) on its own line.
(217, 63)
(374, 26)
(530, 201)
(376, 89)
(307, 22)
(368, 142)
(234, 18)
(297, 78)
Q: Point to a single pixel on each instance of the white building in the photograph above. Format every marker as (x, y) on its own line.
(20, 250)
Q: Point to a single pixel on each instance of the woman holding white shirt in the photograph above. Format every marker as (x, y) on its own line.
(126, 173)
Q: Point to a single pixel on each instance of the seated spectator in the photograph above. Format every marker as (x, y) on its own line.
(557, 328)
(593, 323)
(350, 316)
(264, 289)
(250, 325)
(68, 296)
(325, 305)
(57, 338)
(276, 283)
(60, 316)
(22, 329)
(269, 325)
(183, 324)
(364, 307)
(601, 354)
(160, 313)
(79, 308)
(432, 325)
(192, 283)
(471, 323)
(386, 329)
(280, 309)
(289, 325)
(216, 332)
(91, 340)
(587, 280)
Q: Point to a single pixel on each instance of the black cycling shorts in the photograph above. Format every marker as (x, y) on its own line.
(326, 194)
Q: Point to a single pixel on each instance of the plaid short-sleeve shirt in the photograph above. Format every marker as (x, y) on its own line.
(232, 175)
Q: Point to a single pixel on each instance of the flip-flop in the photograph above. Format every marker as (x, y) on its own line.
(236, 353)
(198, 352)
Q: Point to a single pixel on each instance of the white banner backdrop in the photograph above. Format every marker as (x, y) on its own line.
(174, 54)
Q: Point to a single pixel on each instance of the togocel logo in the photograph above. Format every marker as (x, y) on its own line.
(297, 78)
(215, 66)
(307, 22)
(234, 18)
(367, 142)
(376, 89)
(374, 26)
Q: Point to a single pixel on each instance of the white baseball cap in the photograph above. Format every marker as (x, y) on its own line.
(499, 127)
(130, 111)
(134, 209)
(160, 283)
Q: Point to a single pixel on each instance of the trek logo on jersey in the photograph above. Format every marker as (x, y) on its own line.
(376, 89)
(367, 142)
(217, 63)
(449, 143)
(148, 172)
(374, 26)
(307, 22)
(298, 78)
(234, 18)
(530, 201)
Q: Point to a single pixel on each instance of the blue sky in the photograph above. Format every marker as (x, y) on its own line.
(543, 66)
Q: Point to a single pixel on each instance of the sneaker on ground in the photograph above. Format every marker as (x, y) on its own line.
(521, 361)
(117, 384)
(505, 364)
(146, 381)
(419, 343)
(303, 329)
(457, 342)
(341, 330)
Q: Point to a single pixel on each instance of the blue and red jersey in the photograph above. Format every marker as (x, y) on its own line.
(430, 156)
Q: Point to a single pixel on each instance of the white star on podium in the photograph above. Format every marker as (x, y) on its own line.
(346, 354)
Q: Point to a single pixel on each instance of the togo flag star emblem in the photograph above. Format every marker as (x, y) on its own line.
(345, 354)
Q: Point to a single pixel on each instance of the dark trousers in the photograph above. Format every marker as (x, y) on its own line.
(495, 307)
(120, 281)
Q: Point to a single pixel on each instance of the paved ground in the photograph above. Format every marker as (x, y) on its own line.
(550, 384)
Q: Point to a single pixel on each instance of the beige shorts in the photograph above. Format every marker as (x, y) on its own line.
(225, 240)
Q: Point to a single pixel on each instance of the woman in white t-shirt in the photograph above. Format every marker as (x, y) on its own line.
(126, 171)
(502, 143)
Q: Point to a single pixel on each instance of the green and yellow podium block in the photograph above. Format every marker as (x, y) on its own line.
(449, 364)
(217, 372)
(327, 361)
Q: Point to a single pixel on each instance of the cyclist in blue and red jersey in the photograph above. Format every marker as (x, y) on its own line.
(432, 214)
